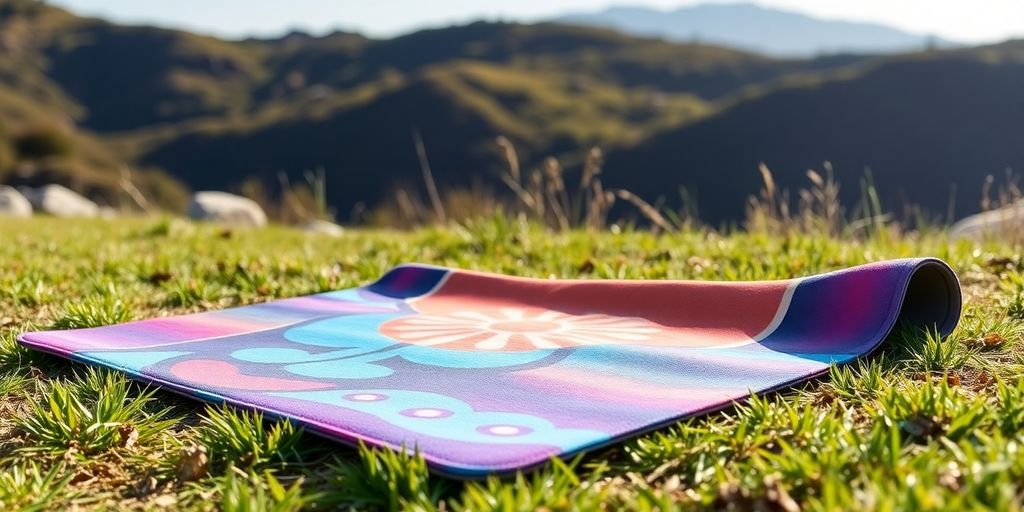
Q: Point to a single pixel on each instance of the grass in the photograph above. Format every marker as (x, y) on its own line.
(243, 492)
(91, 413)
(924, 424)
(245, 439)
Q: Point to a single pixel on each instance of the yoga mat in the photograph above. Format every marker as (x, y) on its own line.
(487, 374)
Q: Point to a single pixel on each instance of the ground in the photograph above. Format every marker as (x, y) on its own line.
(924, 424)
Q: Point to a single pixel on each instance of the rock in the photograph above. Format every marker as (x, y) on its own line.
(60, 201)
(1001, 222)
(227, 209)
(323, 227)
(13, 204)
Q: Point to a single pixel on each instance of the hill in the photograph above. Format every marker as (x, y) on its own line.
(930, 127)
(123, 77)
(349, 105)
(755, 28)
(39, 144)
(189, 111)
(215, 113)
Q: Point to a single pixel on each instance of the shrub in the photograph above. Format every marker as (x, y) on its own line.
(42, 143)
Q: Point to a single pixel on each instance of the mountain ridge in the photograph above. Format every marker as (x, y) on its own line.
(751, 27)
(182, 110)
(924, 142)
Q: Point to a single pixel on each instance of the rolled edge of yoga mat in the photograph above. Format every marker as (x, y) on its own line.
(369, 364)
(854, 310)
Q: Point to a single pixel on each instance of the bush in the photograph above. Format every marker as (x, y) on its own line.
(43, 142)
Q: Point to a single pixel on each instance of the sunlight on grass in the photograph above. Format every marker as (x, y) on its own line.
(925, 423)
(384, 479)
(28, 489)
(554, 488)
(94, 312)
(245, 492)
(926, 351)
(96, 412)
(245, 439)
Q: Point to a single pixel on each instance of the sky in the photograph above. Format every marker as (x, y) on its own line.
(967, 21)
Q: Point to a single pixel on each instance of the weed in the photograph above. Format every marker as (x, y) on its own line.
(104, 309)
(96, 412)
(27, 488)
(554, 488)
(245, 439)
(385, 479)
(250, 492)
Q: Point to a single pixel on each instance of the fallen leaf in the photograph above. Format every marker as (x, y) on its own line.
(992, 340)
(826, 397)
(984, 380)
(81, 477)
(129, 435)
(193, 463)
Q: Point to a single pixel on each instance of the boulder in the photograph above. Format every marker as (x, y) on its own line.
(323, 227)
(60, 201)
(13, 204)
(227, 209)
(1004, 221)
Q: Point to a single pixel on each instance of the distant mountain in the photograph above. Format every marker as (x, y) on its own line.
(82, 99)
(929, 127)
(214, 113)
(755, 28)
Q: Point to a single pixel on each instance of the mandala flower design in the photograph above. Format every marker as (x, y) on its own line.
(517, 329)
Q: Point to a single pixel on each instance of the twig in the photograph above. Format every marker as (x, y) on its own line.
(649, 211)
(428, 178)
(132, 190)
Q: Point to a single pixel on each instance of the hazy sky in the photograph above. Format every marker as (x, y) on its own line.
(972, 21)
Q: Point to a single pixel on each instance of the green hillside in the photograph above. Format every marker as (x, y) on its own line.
(189, 111)
(349, 105)
(122, 77)
(43, 137)
(459, 107)
(215, 113)
(39, 144)
(929, 127)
